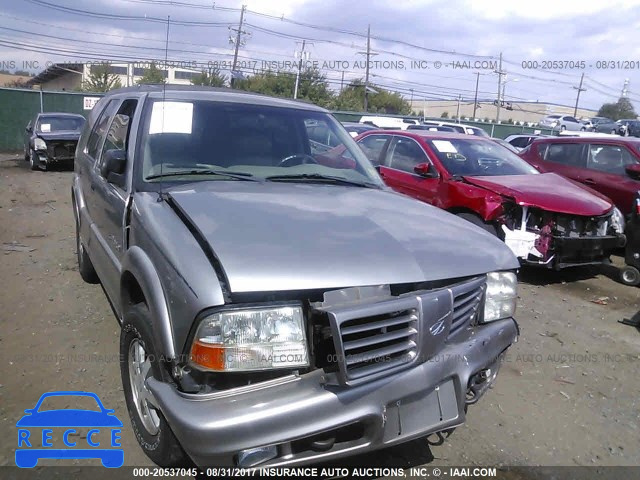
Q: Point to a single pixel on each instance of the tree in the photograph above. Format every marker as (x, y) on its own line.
(623, 108)
(22, 73)
(152, 75)
(384, 101)
(312, 85)
(444, 115)
(101, 80)
(210, 78)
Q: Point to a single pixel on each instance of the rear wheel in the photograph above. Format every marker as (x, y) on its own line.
(476, 220)
(563, 128)
(630, 276)
(613, 132)
(138, 362)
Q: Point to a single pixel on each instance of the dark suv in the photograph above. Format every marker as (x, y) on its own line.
(278, 304)
(609, 165)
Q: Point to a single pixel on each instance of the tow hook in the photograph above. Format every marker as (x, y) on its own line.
(481, 381)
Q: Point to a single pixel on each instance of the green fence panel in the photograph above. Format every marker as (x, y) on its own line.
(18, 106)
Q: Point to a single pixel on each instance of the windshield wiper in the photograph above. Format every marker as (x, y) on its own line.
(317, 177)
(222, 173)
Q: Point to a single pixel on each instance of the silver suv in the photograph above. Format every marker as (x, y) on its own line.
(278, 304)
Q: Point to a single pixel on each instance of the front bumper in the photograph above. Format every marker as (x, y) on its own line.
(570, 252)
(310, 420)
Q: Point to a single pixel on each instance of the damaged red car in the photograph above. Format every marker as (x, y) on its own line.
(545, 219)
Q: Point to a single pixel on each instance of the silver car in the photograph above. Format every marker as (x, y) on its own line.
(278, 304)
(562, 122)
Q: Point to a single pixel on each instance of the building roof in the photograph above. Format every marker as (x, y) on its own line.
(54, 71)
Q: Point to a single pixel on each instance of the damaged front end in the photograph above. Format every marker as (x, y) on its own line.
(558, 240)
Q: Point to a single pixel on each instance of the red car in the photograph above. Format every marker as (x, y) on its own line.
(544, 218)
(610, 165)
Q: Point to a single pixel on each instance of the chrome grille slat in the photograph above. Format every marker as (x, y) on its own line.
(407, 346)
(388, 322)
(380, 338)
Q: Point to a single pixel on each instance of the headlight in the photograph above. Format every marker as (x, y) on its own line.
(39, 144)
(501, 296)
(251, 339)
(617, 220)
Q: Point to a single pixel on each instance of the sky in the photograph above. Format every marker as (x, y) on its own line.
(419, 48)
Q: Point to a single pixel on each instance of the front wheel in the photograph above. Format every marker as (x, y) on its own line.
(630, 276)
(138, 362)
(34, 161)
(563, 128)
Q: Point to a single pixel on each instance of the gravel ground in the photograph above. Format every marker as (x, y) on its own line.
(567, 394)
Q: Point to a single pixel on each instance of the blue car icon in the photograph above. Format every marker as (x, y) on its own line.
(67, 420)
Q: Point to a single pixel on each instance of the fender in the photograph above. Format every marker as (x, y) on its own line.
(137, 263)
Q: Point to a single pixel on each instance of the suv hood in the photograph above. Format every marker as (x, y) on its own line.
(547, 191)
(61, 135)
(274, 236)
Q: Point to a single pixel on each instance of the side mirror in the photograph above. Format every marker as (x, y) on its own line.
(425, 170)
(29, 129)
(633, 171)
(113, 166)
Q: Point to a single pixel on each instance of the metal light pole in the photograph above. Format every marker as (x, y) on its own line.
(475, 98)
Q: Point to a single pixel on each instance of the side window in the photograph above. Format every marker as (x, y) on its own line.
(117, 137)
(569, 154)
(520, 142)
(571, 119)
(100, 129)
(372, 146)
(404, 154)
(609, 158)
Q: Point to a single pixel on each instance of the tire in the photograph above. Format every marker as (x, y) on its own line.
(34, 163)
(85, 267)
(613, 132)
(563, 128)
(472, 218)
(630, 276)
(149, 425)
(583, 129)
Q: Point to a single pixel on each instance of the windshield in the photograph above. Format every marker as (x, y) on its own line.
(203, 140)
(478, 158)
(59, 124)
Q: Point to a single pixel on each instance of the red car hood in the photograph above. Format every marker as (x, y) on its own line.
(547, 191)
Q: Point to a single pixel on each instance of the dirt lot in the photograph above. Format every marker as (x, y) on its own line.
(568, 393)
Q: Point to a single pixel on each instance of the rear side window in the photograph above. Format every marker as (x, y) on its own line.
(118, 134)
(100, 129)
(372, 147)
(520, 142)
(569, 154)
(609, 158)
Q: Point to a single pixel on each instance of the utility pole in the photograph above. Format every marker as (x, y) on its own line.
(295, 89)
(342, 82)
(458, 109)
(237, 41)
(579, 89)
(424, 110)
(475, 98)
(366, 76)
(500, 73)
(411, 101)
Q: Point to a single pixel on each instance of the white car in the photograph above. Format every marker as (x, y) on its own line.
(458, 127)
(562, 122)
(388, 122)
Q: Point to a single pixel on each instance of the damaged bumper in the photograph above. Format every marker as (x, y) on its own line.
(303, 419)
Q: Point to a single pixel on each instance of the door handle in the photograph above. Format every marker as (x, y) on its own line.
(589, 181)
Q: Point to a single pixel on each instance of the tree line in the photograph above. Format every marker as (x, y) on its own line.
(312, 87)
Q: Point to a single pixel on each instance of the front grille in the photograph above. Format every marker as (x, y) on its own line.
(391, 338)
(62, 150)
(378, 338)
(467, 299)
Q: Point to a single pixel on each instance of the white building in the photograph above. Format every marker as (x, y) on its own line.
(71, 76)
